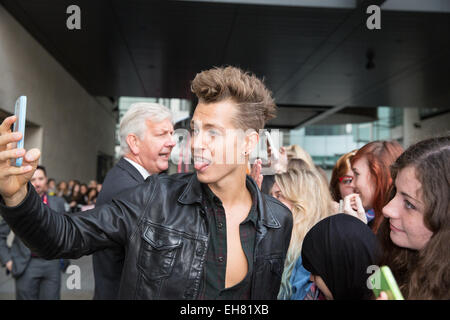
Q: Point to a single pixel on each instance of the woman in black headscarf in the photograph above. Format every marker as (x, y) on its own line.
(338, 251)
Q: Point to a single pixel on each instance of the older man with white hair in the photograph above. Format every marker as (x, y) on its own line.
(145, 145)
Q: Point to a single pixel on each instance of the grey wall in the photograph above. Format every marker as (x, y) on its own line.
(69, 125)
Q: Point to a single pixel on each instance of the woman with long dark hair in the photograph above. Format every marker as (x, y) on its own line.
(415, 234)
(76, 197)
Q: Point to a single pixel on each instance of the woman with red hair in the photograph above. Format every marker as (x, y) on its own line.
(373, 181)
(341, 183)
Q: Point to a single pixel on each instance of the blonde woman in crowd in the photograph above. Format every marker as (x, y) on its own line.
(287, 155)
(298, 164)
(308, 197)
(296, 152)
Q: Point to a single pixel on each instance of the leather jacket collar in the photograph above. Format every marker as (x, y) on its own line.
(193, 194)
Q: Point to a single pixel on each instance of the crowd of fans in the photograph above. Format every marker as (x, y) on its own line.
(77, 195)
(398, 197)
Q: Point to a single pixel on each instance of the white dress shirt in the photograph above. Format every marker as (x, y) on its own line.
(139, 168)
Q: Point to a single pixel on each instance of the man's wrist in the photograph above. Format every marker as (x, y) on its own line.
(17, 198)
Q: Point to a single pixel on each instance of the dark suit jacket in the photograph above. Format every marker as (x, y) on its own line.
(108, 264)
(19, 253)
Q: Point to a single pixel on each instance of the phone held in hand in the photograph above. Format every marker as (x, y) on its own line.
(19, 125)
(383, 280)
(273, 148)
(268, 159)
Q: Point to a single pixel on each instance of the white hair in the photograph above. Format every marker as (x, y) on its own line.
(134, 121)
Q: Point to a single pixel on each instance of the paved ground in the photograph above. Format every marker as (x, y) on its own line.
(86, 292)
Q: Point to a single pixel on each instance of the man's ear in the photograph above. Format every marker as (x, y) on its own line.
(133, 143)
(251, 141)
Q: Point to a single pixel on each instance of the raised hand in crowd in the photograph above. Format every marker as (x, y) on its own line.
(256, 172)
(279, 165)
(9, 265)
(353, 206)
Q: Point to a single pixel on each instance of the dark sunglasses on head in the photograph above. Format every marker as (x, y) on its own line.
(346, 179)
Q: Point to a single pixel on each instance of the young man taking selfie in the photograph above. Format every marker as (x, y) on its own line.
(210, 234)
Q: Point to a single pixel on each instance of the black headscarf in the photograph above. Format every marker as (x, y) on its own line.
(267, 184)
(339, 249)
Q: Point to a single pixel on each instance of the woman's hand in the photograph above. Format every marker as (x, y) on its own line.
(353, 206)
(279, 165)
(337, 207)
(9, 265)
(383, 296)
(256, 173)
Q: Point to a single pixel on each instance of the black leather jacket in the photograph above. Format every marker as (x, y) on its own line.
(161, 224)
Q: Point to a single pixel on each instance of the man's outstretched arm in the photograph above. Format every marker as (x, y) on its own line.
(52, 234)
